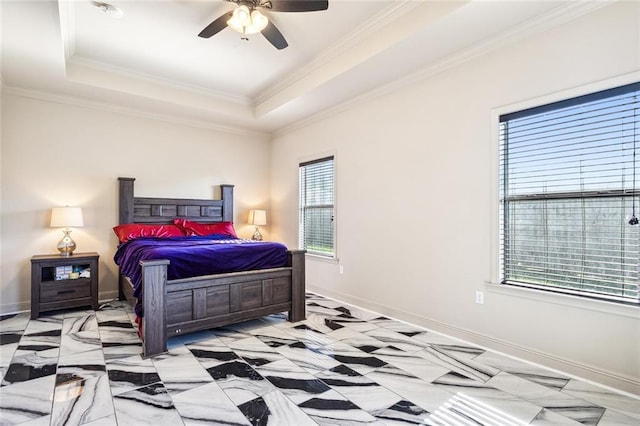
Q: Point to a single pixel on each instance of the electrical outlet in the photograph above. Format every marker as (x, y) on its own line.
(341, 269)
(480, 297)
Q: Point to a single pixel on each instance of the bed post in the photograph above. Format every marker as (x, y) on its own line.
(227, 202)
(154, 321)
(126, 200)
(125, 215)
(298, 291)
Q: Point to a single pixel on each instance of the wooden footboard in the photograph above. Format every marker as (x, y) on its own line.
(186, 305)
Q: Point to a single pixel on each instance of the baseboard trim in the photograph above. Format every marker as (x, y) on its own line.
(597, 376)
(106, 296)
(17, 308)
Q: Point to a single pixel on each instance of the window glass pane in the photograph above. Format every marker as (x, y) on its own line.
(576, 149)
(582, 244)
(568, 190)
(318, 236)
(316, 202)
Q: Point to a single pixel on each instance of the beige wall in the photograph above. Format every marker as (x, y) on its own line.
(414, 173)
(416, 200)
(56, 154)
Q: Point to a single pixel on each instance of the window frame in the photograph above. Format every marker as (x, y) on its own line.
(318, 254)
(495, 283)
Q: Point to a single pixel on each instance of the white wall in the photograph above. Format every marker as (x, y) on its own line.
(416, 200)
(56, 154)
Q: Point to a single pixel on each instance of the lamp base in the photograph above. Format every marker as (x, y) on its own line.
(257, 236)
(66, 246)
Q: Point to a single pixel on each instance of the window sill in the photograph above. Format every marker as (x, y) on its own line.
(324, 259)
(566, 300)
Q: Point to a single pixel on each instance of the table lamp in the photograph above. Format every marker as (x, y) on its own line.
(257, 218)
(66, 217)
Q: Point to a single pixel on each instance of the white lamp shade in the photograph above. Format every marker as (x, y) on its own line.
(258, 217)
(65, 217)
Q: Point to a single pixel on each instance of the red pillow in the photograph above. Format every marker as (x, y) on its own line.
(131, 231)
(203, 229)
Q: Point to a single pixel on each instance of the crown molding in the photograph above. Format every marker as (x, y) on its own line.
(154, 80)
(390, 14)
(399, 8)
(66, 11)
(102, 106)
(359, 51)
(555, 17)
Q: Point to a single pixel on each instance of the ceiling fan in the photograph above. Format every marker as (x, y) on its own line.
(247, 19)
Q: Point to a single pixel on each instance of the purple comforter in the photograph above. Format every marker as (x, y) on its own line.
(195, 256)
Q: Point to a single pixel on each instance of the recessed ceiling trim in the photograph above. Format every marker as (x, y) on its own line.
(95, 73)
(551, 19)
(390, 14)
(158, 81)
(383, 38)
(135, 112)
(299, 89)
(158, 90)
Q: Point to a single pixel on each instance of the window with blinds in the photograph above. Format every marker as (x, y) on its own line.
(316, 202)
(569, 195)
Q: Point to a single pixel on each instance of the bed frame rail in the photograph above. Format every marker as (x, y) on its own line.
(199, 303)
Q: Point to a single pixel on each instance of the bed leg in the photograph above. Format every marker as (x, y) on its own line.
(154, 321)
(298, 290)
(121, 295)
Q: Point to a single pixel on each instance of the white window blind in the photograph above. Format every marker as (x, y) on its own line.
(316, 200)
(569, 196)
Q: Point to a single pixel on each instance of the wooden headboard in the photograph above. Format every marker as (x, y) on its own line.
(134, 209)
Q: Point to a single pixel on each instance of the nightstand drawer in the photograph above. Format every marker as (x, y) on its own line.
(64, 290)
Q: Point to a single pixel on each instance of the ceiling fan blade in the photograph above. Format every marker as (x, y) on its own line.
(299, 5)
(274, 36)
(216, 26)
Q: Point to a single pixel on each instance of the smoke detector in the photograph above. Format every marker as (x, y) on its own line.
(108, 9)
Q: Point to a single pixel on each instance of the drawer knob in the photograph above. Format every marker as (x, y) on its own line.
(66, 291)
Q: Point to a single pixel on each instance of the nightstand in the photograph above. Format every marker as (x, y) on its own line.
(59, 282)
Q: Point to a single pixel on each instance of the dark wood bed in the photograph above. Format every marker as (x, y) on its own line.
(174, 307)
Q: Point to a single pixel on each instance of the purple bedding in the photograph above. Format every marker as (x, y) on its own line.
(195, 256)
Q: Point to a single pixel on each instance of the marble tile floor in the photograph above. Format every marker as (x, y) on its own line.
(341, 366)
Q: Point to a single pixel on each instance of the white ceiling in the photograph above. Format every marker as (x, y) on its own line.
(152, 61)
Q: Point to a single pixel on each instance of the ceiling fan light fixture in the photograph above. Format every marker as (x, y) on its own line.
(245, 21)
(240, 19)
(242, 15)
(258, 22)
